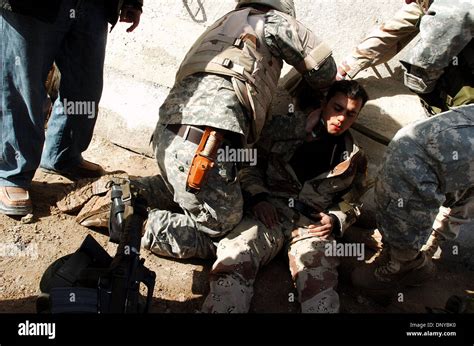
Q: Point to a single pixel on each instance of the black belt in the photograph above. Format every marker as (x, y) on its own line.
(193, 134)
(190, 133)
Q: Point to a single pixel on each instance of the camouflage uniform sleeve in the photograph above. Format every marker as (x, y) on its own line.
(299, 47)
(280, 128)
(285, 127)
(252, 178)
(446, 29)
(348, 210)
(5, 5)
(384, 42)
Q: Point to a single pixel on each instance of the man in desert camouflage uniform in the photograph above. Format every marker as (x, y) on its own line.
(453, 84)
(385, 41)
(226, 82)
(304, 192)
(429, 163)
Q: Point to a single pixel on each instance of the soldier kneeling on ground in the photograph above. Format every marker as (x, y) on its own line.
(425, 190)
(324, 194)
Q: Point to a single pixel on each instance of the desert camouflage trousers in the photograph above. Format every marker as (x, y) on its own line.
(194, 224)
(242, 252)
(427, 180)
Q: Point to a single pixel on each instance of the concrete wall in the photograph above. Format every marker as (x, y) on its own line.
(140, 67)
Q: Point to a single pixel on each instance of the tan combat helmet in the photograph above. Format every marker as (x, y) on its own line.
(285, 6)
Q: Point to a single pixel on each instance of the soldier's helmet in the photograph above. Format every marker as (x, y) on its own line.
(285, 6)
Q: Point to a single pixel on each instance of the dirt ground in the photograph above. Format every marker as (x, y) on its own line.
(181, 286)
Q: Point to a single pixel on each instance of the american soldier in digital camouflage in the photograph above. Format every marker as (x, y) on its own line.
(446, 141)
(425, 189)
(226, 82)
(428, 164)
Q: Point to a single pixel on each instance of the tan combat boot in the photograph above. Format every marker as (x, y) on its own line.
(79, 193)
(394, 269)
(96, 212)
(92, 199)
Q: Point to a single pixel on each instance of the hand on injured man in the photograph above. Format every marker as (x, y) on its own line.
(324, 227)
(266, 213)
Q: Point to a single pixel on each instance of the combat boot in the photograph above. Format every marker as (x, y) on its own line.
(91, 198)
(432, 247)
(456, 305)
(79, 193)
(461, 304)
(96, 212)
(394, 269)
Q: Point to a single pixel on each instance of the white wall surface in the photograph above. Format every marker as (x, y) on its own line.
(140, 66)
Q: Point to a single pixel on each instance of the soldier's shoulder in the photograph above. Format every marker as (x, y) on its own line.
(288, 120)
(274, 17)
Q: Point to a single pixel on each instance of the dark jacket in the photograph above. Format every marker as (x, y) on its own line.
(48, 9)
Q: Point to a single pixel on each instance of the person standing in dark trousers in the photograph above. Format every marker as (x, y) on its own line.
(73, 34)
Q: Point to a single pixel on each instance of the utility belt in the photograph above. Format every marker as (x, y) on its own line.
(189, 133)
(440, 101)
(209, 140)
(193, 134)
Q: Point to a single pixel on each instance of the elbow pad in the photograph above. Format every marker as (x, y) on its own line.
(315, 58)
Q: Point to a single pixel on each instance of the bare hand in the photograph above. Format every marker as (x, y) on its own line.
(324, 228)
(130, 14)
(266, 213)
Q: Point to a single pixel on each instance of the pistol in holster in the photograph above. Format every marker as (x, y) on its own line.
(204, 159)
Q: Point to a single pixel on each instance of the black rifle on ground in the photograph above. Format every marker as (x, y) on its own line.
(90, 280)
